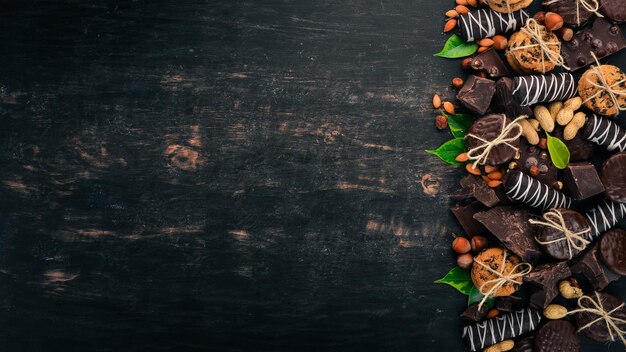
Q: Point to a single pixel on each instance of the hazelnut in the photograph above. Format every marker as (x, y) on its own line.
(558, 185)
(566, 34)
(533, 171)
(441, 122)
(465, 260)
(540, 16)
(457, 82)
(500, 42)
(553, 21)
(479, 243)
(461, 245)
(543, 143)
(466, 64)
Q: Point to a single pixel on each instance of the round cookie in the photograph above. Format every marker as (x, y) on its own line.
(613, 250)
(493, 257)
(527, 57)
(598, 99)
(489, 128)
(557, 336)
(598, 331)
(613, 177)
(575, 222)
(513, 5)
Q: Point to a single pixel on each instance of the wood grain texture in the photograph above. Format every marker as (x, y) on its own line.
(225, 176)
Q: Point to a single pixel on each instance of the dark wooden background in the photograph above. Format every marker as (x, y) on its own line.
(224, 175)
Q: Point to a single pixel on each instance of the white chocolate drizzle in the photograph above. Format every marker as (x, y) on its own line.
(485, 23)
(534, 193)
(604, 216)
(606, 133)
(544, 88)
(503, 327)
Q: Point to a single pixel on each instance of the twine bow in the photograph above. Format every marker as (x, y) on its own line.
(598, 309)
(502, 138)
(593, 7)
(604, 85)
(554, 219)
(502, 278)
(533, 30)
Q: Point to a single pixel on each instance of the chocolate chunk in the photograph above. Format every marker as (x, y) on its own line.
(573, 12)
(614, 10)
(525, 344)
(613, 251)
(545, 278)
(482, 23)
(504, 103)
(463, 193)
(557, 336)
(532, 155)
(473, 314)
(465, 216)
(580, 148)
(483, 193)
(489, 62)
(530, 90)
(500, 328)
(554, 242)
(505, 304)
(606, 133)
(600, 37)
(476, 94)
(599, 331)
(526, 189)
(614, 177)
(510, 225)
(604, 216)
(489, 128)
(582, 180)
(588, 265)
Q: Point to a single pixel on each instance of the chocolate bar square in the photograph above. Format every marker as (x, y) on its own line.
(582, 180)
(476, 94)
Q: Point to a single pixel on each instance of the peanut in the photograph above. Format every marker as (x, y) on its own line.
(535, 124)
(457, 82)
(555, 311)
(569, 291)
(529, 132)
(564, 116)
(503, 346)
(573, 103)
(554, 108)
(542, 114)
(573, 126)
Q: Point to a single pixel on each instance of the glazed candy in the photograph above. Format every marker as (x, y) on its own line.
(485, 23)
(503, 327)
(604, 132)
(526, 189)
(529, 90)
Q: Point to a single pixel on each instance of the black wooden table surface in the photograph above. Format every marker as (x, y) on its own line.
(225, 175)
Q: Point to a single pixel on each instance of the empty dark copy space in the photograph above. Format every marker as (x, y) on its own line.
(225, 176)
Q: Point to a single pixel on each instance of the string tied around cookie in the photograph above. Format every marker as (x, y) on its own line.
(533, 30)
(481, 156)
(554, 219)
(517, 272)
(589, 5)
(597, 309)
(604, 85)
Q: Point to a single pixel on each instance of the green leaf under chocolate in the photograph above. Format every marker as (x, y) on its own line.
(456, 47)
(450, 150)
(458, 278)
(459, 124)
(475, 296)
(558, 152)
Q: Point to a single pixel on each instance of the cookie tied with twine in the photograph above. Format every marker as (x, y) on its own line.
(534, 49)
(565, 233)
(601, 317)
(493, 139)
(603, 88)
(588, 6)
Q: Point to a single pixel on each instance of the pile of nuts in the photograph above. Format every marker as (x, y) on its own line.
(462, 246)
(492, 175)
(562, 113)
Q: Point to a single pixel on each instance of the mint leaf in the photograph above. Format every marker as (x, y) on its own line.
(456, 47)
(450, 150)
(459, 124)
(558, 152)
(475, 296)
(459, 279)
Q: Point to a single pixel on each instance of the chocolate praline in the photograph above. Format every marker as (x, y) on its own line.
(614, 177)
(557, 336)
(613, 250)
(575, 222)
(489, 128)
(598, 331)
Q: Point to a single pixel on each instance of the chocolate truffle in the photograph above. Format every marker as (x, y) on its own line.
(489, 128)
(613, 250)
(555, 243)
(599, 330)
(614, 177)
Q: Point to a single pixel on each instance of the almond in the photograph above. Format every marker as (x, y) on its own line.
(452, 13)
(436, 101)
(462, 10)
(485, 42)
(483, 49)
(553, 21)
(449, 25)
(473, 3)
(472, 170)
(500, 42)
(448, 107)
(494, 183)
(490, 168)
(463, 157)
(461, 2)
(496, 175)
(485, 178)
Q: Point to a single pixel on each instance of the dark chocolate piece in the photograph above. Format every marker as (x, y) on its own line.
(614, 10)
(545, 278)
(483, 193)
(613, 250)
(600, 37)
(504, 103)
(557, 336)
(465, 216)
(573, 12)
(463, 193)
(525, 344)
(604, 132)
(510, 225)
(473, 314)
(489, 128)
(532, 155)
(505, 304)
(563, 249)
(526, 189)
(597, 273)
(476, 94)
(599, 331)
(500, 328)
(489, 62)
(582, 180)
(530, 90)
(580, 148)
(483, 23)
(604, 216)
(614, 177)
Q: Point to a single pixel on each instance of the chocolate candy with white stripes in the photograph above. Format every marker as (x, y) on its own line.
(530, 90)
(483, 23)
(614, 177)
(500, 328)
(557, 336)
(503, 101)
(526, 189)
(599, 330)
(613, 250)
(604, 132)
(604, 216)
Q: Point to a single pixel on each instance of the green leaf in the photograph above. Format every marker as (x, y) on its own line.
(558, 152)
(456, 47)
(450, 150)
(475, 296)
(459, 279)
(459, 124)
